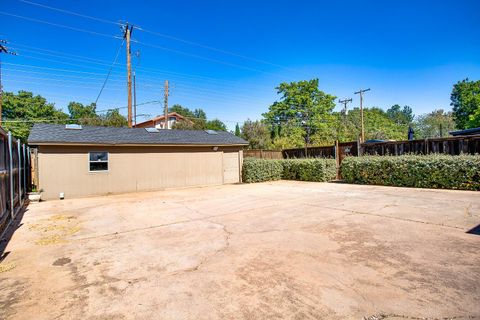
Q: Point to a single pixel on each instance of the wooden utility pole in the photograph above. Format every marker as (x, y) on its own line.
(165, 111)
(3, 49)
(134, 99)
(361, 92)
(345, 102)
(128, 33)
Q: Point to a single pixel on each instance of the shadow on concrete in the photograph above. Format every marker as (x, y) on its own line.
(475, 230)
(8, 234)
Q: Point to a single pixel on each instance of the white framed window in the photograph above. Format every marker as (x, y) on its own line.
(98, 161)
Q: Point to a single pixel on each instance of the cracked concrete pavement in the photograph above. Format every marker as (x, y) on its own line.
(282, 250)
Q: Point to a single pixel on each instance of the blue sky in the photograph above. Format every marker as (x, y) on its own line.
(227, 57)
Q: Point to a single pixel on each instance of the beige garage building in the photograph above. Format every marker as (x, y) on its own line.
(78, 161)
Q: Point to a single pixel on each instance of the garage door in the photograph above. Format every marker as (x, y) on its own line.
(231, 169)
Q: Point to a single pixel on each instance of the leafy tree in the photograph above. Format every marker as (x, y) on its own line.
(401, 116)
(237, 130)
(256, 133)
(474, 119)
(80, 111)
(465, 100)
(302, 105)
(182, 111)
(434, 124)
(21, 110)
(216, 125)
(113, 118)
(378, 125)
(199, 114)
(197, 120)
(293, 136)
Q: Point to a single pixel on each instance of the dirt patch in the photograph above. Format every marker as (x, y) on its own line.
(7, 267)
(61, 261)
(56, 229)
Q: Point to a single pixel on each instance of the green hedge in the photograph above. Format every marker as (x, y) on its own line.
(421, 171)
(258, 170)
(320, 170)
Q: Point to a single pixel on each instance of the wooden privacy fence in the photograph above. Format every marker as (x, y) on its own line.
(450, 145)
(14, 177)
(344, 149)
(263, 154)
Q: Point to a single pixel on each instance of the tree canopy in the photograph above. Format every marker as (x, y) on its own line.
(465, 100)
(434, 124)
(302, 108)
(197, 120)
(20, 111)
(401, 116)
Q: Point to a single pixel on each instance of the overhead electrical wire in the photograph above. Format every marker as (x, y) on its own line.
(69, 12)
(162, 35)
(56, 24)
(109, 71)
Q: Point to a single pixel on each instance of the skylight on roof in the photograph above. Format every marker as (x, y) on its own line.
(152, 130)
(73, 126)
(211, 131)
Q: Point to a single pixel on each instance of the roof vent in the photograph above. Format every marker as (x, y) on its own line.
(152, 130)
(73, 127)
(211, 131)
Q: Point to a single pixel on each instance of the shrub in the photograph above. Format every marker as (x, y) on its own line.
(258, 170)
(421, 171)
(320, 170)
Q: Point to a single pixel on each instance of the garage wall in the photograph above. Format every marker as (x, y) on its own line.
(66, 169)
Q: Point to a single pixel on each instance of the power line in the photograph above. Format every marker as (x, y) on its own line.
(5, 50)
(55, 69)
(56, 74)
(59, 53)
(142, 43)
(69, 12)
(201, 57)
(63, 57)
(162, 35)
(56, 24)
(109, 71)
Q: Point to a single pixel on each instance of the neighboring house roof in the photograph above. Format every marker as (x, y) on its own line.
(152, 122)
(59, 134)
(466, 132)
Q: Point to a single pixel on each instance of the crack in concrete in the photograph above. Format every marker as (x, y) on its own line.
(202, 262)
(355, 212)
(205, 218)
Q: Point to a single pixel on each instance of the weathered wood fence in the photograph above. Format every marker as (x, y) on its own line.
(14, 178)
(263, 154)
(449, 145)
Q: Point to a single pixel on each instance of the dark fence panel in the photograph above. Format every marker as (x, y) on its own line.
(311, 152)
(450, 145)
(14, 178)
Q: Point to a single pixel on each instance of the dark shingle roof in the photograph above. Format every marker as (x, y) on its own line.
(58, 134)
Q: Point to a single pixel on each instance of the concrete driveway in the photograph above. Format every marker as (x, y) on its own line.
(283, 250)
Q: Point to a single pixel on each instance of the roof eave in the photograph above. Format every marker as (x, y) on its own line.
(36, 143)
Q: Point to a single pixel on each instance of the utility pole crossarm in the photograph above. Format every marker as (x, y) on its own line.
(345, 102)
